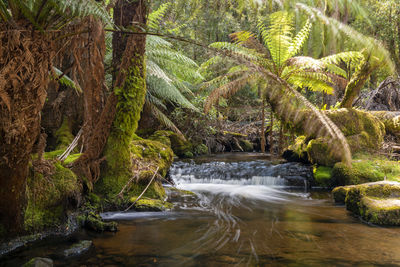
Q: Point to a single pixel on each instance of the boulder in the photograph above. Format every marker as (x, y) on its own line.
(78, 248)
(377, 203)
(39, 262)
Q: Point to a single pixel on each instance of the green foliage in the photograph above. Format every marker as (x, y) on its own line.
(48, 198)
(64, 135)
(51, 14)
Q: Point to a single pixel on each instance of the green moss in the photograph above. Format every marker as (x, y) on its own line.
(118, 151)
(94, 222)
(148, 152)
(363, 130)
(246, 145)
(323, 176)
(182, 192)
(71, 158)
(48, 197)
(298, 150)
(378, 203)
(163, 137)
(53, 154)
(318, 152)
(201, 149)
(340, 193)
(366, 170)
(147, 204)
(64, 135)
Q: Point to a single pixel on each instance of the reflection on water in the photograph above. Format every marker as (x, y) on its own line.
(243, 215)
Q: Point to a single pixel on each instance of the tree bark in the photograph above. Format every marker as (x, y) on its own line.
(25, 63)
(128, 95)
(263, 127)
(358, 80)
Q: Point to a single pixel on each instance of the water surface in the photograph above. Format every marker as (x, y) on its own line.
(247, 212)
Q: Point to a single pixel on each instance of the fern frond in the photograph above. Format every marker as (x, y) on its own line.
(226, 91)
(279, 36)
(65, 80)
(156, 16)
(300, 39)
(167, 92)
(154, 70)
(373, 46)
(161, 117)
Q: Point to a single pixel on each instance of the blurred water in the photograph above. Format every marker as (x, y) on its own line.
(245, 213)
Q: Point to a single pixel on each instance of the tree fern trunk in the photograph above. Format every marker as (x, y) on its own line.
(130, 89)
(353, 88)
(25, 65)
(263, 126)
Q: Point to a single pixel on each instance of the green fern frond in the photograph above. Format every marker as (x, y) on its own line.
(161, 117)
(65, 80)
(300, 39)
(279, 36)
(373, 46)
(156, 16)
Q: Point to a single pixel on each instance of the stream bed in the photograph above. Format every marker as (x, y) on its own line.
(246, 212)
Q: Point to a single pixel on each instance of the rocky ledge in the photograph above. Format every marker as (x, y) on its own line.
(377, 203)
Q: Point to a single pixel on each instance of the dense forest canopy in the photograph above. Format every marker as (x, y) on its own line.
(105, 93)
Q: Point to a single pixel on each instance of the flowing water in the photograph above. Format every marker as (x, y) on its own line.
(246, 212)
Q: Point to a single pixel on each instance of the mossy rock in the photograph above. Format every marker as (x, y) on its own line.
(318, 153)
(323, 176)
(363, 130)
(377, 203)
(95, 223)
(117, 175)
(246, 145)
(297, 152)
(148, 204)
(39, 262)
(339, 193)
(366, 170)
(180, 146)
(201, 149)
(50, 197)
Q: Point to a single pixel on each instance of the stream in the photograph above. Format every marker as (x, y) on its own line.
(247, 211)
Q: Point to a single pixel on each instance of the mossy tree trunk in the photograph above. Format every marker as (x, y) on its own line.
(24, 65)
(120, 116)
(353, 88)
(130, 93)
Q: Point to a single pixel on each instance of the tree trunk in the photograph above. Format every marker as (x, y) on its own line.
(263, 127)
(358, 80)
(25, 63)
(119, 119)
(271, 134)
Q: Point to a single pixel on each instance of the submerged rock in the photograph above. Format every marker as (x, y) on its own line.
(377, 203)
(78, 248)
(147, 204)
(94, 222)
(39, 262)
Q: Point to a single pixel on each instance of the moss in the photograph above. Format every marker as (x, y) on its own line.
(148, 152)
(201, 149)
(378, 203)
(182, 192)
(363, 130)
(118, 151)
(340, 193)
(246, 145)
(71, 158)
(64, 135)
(298, 151)
(148, 204)
(318, 152)
(163, 137)
(366, 170)
(323, 176)
(53, 154)
(94, 222)
(49, 197)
